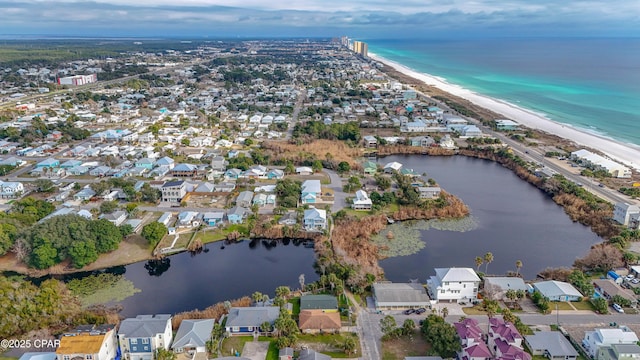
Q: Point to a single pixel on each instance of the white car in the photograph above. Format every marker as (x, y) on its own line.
(635, 281)
(629, 277)
(618, 308)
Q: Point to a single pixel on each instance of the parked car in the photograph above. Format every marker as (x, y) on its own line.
(635, 281)
(421, 311)
(618, 308)
(409, 311)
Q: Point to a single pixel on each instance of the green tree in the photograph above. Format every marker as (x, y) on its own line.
(153, 232)
(479, 262)
(488, 259)
(441, 335)
(107, 235)
(600, 305)
(83, 253)
(348, 345)
(44, 185)
(343, 167)
(256, 296)
(316, 166)
(44, 255)
(518, 267)
(108, 207)
(283, 291)
(162, 354)
(388, 325)
(408, 326)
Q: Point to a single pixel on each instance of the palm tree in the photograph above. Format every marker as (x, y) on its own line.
(488, 259)
(518, 267)
(479, 262)
(444, 312)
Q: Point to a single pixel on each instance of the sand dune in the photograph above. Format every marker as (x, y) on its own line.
(628, 154)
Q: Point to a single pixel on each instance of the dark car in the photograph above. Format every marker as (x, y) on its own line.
(421, 311)
(409, 311)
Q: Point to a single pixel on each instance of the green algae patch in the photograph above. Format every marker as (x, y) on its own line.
(102, 288)
(405, 238)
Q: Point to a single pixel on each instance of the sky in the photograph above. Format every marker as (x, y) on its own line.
(314, 18)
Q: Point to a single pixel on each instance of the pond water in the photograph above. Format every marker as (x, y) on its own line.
(515, 221)
(186, 282)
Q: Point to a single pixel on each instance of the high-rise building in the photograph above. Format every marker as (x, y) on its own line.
(361, 48)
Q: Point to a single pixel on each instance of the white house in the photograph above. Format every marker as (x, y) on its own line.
(596, 161)
(193, 335)
(594, 340)
(453, 284)
(140, 337)
(362, 201)
(622, 212)
(558, 291)
(9, 189)
(315, 219)
(392, 166)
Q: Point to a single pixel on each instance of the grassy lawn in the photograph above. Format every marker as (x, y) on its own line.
(583, 305)
(236, 343)
(328, 344)
(561, 306)
(398, 349)
(211, 235)
(474, 310)
(272, 354)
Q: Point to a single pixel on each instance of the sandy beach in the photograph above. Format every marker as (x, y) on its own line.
(627, 154)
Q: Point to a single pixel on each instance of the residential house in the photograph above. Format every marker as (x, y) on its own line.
(362, 201)
(507, 125)
(505, 340)
(312, 321)
(622, 212)
(205, 187)
(596, 339)
(370, 141)
(188, 219)
(304, 170)
(145, 163)
(422, 141)
(116, 217)
(12, 161)
(454, 284)
(259, 199)
(619, 352)
(327, 303)
(166, 162)
(247, 320)
(244, 199)
(38, 356)
(225, 187)
(370, 168)
(142, 336)
(289, 219)
(232, 173)
(85, 194)
(558, 291)
(100, 171)
(11, 189)
(608, 288)
(213, 218)
(48, 163)
(315, 219)
(392, 167)
(88, 342)
(308, 354)
(391, 296)
(471, 341)
(184, 170)
(219, 163)
(447, 142)
(275, 174)
(551, 344)
(70, 164)
(174, 191)
(236, 215)
(311, 190)
(193, 335)
(496, 287)
(470, 131)
(429, 192)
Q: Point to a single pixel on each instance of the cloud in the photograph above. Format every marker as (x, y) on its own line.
(319, 18)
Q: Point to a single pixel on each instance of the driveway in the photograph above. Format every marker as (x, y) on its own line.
(340, 196)
(255, 350)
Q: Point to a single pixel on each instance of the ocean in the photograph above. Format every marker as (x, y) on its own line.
(593, 84)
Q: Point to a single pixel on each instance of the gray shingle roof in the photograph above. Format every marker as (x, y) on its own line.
(144, 326)
(193, 333)
(552, 341)
(252, 316)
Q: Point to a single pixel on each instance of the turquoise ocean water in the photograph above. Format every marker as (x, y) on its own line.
(593, 84)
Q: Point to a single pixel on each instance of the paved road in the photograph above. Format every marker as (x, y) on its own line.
(302, 96)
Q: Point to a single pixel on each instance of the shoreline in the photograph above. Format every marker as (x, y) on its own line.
(627, 154)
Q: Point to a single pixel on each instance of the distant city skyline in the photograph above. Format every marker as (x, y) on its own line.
(357, 18)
